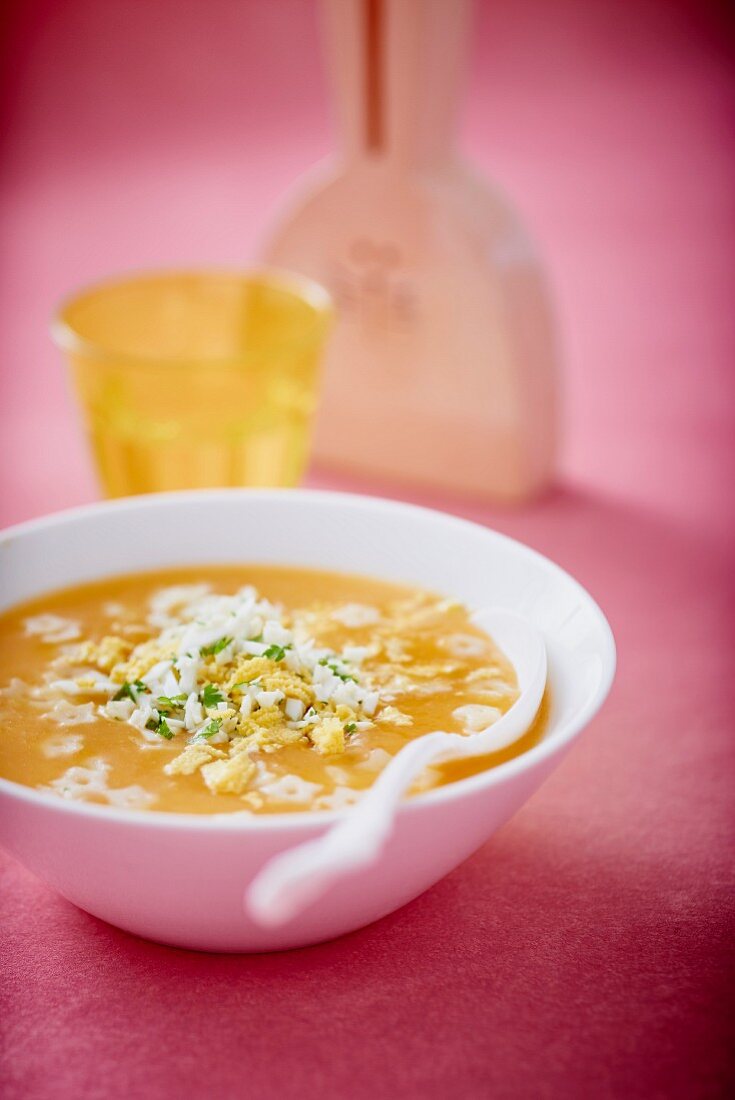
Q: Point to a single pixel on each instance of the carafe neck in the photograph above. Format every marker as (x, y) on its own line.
(396, 67)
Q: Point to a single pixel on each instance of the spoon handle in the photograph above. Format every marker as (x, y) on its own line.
(290, 881)
(295, 878)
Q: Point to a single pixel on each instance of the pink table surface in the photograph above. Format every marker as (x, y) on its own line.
(584, 951)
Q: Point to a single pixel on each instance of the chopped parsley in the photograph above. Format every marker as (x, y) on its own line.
(170, 702)
(215, 648)
(350, 727)
(160, 726)
(212, 728)
(130, 691)
(211, 696)
(245, 684)
(276, 652)
(336, 670)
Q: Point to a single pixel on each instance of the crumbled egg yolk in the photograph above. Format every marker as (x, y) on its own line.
(227, 675)
(228, 681)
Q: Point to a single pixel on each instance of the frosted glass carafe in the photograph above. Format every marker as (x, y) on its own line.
(441, 369)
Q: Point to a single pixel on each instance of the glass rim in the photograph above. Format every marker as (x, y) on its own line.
(70, 341)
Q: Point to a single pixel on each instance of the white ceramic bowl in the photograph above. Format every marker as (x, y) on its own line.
(180, 878)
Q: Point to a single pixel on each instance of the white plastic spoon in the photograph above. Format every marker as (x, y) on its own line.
(294, 879)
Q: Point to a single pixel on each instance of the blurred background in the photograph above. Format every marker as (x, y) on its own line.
(164, 133)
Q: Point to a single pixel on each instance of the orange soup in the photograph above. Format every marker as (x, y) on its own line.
(240, 688)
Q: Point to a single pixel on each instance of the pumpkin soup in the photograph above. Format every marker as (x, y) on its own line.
(240, 688)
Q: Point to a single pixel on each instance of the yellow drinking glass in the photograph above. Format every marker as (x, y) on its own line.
(196, 378)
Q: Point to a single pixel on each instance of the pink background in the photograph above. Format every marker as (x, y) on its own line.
(584, 951)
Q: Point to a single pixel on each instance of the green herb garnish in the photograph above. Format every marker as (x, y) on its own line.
(335, 669)
(160, 726)
(350, 727)
(131, 691)
(276, 652)
(212, 728)
(245, 684)
(215, 648)
(211, 696)
(170, 702)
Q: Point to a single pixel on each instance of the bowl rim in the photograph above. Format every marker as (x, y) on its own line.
(299, 820)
